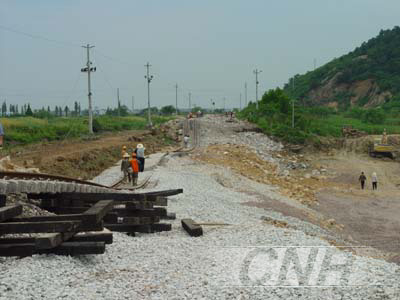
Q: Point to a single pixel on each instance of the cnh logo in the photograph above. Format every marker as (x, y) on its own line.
(307, 266)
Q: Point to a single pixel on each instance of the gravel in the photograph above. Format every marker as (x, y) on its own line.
(172, 265)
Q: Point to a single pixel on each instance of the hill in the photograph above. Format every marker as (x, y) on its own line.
(367, 77)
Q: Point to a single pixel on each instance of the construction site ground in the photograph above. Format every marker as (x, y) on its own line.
(318, 187)
(80, 158)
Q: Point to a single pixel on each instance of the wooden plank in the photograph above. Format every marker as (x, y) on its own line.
(129, 228)
(85, 219)
(169, 216)
(135, 205)
(191, 227)
(94, 197)
(76, 248)
(3, 200)
(67, 210)
(157, 227)
(115, 219)
(100, 209)
(26, 249)
(11, 211)
(103, 236)
(36, 227)
(161, 201)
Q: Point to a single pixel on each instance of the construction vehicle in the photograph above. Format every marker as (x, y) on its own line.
(377, 149)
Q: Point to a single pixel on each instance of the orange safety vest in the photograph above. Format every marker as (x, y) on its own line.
(135, 165)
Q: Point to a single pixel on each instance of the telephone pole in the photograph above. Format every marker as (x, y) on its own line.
(240, 101)
(245, 94)
(224, 104)
(190, 102)
(256, 71)
(149, 79)
(119, 104)
(176, 98)
(89, 69)
(293, 104)
(133, 103)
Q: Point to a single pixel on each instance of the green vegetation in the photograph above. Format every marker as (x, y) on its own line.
(274, 117)
(378, 60)
(23, 130)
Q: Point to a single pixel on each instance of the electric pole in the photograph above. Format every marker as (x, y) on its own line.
(176, 98)
(224, 104)
(257, 72)
(315, 63)
(190, 102)
(133, 103)
(149, 78)
(89, 69)
(245, 94)
(293, 104)
(240, 101)
(119, 105)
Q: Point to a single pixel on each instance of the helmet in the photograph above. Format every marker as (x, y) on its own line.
(139, 146)
(124, 147)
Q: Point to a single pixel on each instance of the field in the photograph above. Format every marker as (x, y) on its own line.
(332, 125)
(25, 130)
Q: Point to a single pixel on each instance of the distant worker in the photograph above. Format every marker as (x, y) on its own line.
(140, 156)
(374, 179)
(125, 167)
(135, 169)
(186, 141)
(123, 151)
(384, 140)
(1, 136)
(362, 180)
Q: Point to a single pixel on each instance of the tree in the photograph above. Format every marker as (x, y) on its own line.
(4, 108)
(16, 109)
(168, 110)
(66, 110)
(48, 109)
(79, 109)
(76, 108)
(29, 111)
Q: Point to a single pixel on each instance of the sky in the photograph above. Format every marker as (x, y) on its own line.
(209, 47)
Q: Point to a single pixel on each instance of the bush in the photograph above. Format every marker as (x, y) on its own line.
(374, 116)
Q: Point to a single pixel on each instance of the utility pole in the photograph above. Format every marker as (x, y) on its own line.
(240, 101)
(149, 78)
(190, 102)
(133, 103)
(257, 72)
(89, 69)
(293, 104)
(119, 105)
(224, 104)
(315, 63)
(245, 94)
(176, 99)
(213, 105)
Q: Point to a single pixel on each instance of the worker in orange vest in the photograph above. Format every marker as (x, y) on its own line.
(135, 169)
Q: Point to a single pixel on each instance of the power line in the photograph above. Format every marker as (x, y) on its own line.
(39, 37)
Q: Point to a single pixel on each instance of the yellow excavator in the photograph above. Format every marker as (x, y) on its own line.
(377, 149)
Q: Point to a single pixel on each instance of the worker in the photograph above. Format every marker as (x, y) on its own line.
(374, 180)
(362, 180)
(384, 140)
(123, 151)
(125, 167)
(186, 140)
(140, 156)
(1, 136)
(135, 169)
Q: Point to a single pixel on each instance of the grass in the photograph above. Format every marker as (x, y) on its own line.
(332, 125)
(25, 130)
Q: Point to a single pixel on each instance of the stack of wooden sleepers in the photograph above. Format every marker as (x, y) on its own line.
(131, 212)
(65, 234)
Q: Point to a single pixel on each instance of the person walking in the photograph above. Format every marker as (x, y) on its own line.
(362, 180)
(1, 136)
(135, 169)
(140, 156)
(374, 181)
(125, 167)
